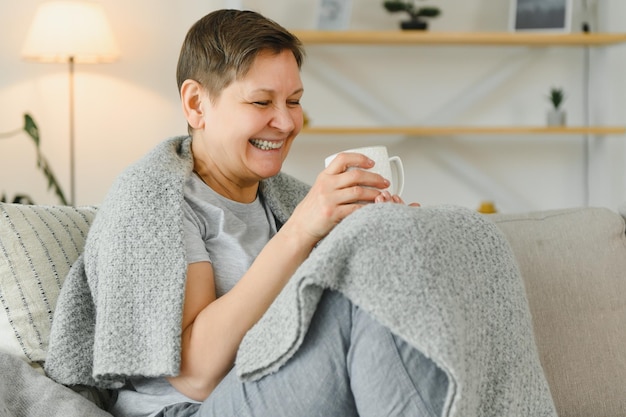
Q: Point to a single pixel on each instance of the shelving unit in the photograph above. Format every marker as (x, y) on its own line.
(398, 37)
(465, 130)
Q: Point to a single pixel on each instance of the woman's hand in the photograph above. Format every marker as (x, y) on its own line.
(386, 197)
(338, 191)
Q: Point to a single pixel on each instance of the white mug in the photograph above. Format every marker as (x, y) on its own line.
(389, 167)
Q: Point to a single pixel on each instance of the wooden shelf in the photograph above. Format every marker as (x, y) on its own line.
(398, 37)
(465, 130)
(408, 37)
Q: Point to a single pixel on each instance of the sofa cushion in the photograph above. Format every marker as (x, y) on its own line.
(573, 263)
(38, 244)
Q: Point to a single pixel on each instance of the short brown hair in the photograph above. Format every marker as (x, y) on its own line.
(221, 47)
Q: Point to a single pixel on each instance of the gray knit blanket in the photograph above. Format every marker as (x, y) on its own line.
(443, 278)
(24, 392)
(119, 311)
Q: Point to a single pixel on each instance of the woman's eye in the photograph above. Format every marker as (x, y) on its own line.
(268, 103)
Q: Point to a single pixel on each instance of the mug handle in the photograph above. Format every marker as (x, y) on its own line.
(398, 173)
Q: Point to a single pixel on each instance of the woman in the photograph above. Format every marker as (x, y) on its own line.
(243, 111)
(196, 241)
(243, 120)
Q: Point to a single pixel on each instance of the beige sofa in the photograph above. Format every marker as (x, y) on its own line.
(573, 263)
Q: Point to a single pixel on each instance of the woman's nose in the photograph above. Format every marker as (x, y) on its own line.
(282, 120)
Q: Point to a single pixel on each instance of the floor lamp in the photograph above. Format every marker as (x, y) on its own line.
(70, 32)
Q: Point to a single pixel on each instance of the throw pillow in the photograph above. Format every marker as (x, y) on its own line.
(38, 244)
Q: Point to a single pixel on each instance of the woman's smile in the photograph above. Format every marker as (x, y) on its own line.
(267, 145)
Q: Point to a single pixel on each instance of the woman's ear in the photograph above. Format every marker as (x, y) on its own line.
(192, 95)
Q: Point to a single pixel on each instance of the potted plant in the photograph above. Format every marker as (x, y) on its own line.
(556, 115)
(418, 15)
(31, 129)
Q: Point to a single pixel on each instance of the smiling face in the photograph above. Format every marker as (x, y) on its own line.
(244, 135)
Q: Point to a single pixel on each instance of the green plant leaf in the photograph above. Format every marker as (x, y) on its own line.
(397, 6)
(393, 6)
(30, 127)
(428, 12)
(556, 97)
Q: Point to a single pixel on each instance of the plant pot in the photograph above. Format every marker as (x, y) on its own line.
(414, 24)
(556, 117)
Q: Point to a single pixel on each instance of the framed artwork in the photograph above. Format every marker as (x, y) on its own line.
(334, 14)
(541, 15)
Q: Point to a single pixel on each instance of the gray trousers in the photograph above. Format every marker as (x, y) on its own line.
(348, 365)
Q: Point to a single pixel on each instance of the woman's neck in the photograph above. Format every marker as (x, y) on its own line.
(222, 185)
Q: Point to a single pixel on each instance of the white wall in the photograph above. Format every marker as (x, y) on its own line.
(125, 108)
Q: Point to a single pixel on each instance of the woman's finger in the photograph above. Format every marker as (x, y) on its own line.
(383, 197)
(346, 160)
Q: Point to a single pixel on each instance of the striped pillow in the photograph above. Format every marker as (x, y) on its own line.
(38, 244)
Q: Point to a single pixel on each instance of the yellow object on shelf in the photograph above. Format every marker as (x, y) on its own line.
(487, 207)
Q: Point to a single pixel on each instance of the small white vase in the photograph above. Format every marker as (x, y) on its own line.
(556, 117)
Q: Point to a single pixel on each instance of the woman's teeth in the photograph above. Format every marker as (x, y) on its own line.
(266, 145)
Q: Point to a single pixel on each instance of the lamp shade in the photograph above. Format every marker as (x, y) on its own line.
(70, 29)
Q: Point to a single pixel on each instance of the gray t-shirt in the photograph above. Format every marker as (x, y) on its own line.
(226, 233)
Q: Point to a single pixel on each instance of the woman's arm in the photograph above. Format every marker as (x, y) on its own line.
(214, 327)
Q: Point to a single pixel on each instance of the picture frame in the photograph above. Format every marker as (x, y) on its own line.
(541, 16)
(334, 14)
